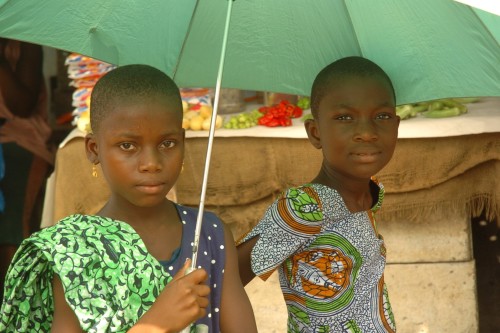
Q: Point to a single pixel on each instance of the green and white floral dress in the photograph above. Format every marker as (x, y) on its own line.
(109, 278)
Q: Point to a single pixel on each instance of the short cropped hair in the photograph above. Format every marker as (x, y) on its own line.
(129, 84)
(344, 68)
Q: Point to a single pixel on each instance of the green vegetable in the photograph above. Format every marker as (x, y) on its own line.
(304, 103)
(307, 116)
(242, 120)
(441, 108)
(466, 100)
(444, 113)
(406, 111)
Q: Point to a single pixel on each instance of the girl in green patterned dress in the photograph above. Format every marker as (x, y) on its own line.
(123, 269)
(322, 236)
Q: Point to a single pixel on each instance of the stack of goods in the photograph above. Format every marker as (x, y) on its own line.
(84, 72)
(197, 106)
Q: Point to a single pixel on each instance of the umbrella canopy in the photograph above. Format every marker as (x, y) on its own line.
(430, 48)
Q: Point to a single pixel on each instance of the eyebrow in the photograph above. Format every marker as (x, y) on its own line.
(133, 135)
(383, 104)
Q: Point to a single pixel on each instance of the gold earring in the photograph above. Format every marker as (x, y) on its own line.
(94, 171)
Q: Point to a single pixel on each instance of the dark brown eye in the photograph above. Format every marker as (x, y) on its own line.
(383, 116)
(344, 117)
(167, 144)
(127, 146)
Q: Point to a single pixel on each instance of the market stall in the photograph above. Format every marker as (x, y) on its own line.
(443, 171)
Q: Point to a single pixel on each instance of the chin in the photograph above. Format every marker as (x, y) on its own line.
(151, 203)
(366, 172)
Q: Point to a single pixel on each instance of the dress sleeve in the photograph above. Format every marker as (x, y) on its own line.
(28, 302)
(288, 224)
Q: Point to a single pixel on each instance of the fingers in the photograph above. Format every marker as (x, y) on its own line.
(197, 276)
(201, 290)
(192, 289)
(184, 269)
(202, 302)
(199, 305)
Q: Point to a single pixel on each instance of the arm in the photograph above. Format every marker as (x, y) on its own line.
(236, 309)
(20, 88)
(65, 320)
(244, 260)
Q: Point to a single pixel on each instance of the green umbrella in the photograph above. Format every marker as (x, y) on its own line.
(430, 48)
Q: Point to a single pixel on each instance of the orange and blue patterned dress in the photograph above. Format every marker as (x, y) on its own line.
(330, 261)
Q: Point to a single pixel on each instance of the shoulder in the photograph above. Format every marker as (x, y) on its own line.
(212, 227)
(75, 226)
(82, 236)
(63, 228)
(302, 204)
(297, 211)
(191, 213)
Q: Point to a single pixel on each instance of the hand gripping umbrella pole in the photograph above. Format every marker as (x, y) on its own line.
(199, 218)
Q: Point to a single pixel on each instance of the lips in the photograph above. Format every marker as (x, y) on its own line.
(367, 156)
(151, 187)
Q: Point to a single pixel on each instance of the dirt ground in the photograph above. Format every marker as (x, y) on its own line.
(268, 304)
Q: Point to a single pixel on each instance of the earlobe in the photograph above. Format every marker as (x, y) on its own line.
(313, 133)
(91, 149)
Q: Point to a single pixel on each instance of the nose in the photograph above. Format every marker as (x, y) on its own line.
(365, 130)
(150, 160)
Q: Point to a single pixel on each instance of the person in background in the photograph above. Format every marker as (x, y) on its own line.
(24, 136)
(322, 237)
(2, 172)
(124, 268)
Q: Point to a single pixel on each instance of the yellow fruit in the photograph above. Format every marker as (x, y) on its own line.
(83, 122)
(205, 111)
(218, 121)
(191, 114)
(206, 124)
(196, 123)
(185, 123)
(185, 106)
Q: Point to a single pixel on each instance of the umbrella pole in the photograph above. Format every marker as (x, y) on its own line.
(211, 138)
(210, 143)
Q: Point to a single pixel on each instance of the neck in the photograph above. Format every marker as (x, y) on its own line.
(139, 217)
(355, 192)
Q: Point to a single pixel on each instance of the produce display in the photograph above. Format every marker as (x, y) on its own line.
(243, 120)
(280, 114)
(442, 108)
(304, 103)
(197, 117)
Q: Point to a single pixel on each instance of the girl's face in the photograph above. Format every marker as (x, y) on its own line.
(140, 148)
(357, 127)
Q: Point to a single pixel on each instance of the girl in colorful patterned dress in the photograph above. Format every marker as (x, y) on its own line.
(123, 269)
(322, 236)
